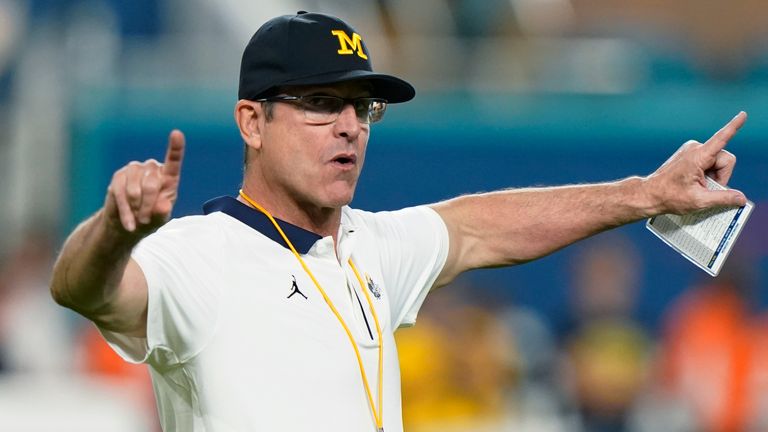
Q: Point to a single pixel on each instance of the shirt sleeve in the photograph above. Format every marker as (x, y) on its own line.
(183, 297)
(414, 247)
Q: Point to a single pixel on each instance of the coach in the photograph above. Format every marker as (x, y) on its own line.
(275, 310)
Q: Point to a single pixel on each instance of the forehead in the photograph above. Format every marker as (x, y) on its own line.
(343, 89)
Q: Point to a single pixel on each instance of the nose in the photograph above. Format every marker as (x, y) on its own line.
(347, 125)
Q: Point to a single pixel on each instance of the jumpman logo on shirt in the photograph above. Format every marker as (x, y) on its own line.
(295, 289)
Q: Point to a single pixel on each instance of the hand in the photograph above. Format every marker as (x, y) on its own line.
(142, 194)
(679, 186)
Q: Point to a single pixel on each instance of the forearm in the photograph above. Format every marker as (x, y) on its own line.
(89, 268)
(515, 226)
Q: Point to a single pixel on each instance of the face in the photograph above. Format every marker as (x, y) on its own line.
(312, 166)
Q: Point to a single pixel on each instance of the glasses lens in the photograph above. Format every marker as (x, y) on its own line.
(326, 109)
(376, 109)
(370, 110)
(322, 109)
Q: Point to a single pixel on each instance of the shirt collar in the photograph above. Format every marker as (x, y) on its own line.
(302, 239)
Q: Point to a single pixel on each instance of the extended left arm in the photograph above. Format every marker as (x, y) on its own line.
(515, 226)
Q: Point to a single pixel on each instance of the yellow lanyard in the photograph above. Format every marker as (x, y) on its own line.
(378, 417)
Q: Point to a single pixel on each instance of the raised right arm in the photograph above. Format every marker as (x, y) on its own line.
(94, 274)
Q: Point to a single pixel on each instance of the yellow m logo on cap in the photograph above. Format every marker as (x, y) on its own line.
(349, 45)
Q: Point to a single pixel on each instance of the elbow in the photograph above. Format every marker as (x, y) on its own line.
(58, 293)
(511, 255)
(58, 286)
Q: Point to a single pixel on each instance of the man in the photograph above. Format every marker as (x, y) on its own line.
(209, 302)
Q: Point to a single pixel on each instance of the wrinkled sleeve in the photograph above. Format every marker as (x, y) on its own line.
(182, 298)
(414, 248)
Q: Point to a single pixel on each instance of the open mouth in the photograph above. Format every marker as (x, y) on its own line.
(345, 160)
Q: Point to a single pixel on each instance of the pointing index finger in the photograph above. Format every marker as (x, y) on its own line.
(721, 137)
(174, 155)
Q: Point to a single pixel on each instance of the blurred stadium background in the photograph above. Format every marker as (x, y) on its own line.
(617, 333)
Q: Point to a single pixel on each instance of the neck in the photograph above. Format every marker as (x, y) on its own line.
(319, 220)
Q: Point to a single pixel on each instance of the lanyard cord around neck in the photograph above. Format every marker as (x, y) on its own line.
(377, 416)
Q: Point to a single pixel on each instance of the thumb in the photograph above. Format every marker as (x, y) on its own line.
(724, 198)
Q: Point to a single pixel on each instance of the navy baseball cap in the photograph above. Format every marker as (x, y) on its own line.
(311, 49)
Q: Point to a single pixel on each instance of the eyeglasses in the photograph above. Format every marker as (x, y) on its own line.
(326, 109)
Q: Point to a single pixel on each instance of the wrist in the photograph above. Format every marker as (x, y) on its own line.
(112, 236)
(643, 198)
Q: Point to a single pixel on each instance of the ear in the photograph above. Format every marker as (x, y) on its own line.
(249, 116)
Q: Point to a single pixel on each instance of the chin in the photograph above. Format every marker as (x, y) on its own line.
(339, 202)
(340, 199)
(339, 194)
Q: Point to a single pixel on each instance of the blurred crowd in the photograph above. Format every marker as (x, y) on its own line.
(472, 364)
(56, 372)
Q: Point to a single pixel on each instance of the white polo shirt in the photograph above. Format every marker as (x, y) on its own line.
(234, 345)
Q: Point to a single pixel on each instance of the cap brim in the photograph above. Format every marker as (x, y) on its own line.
(388, 87)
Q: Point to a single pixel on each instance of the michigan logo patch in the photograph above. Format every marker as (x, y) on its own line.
(349, 45)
